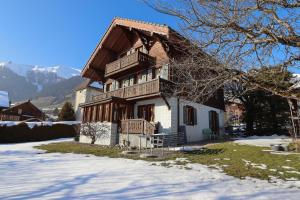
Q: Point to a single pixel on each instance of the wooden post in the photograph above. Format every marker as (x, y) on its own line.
(128, 133)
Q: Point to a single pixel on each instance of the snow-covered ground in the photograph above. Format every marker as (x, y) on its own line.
(27, 173)
(264, 141)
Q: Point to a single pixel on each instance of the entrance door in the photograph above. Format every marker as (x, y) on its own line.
(146, 112)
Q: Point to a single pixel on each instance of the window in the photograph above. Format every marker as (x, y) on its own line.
(146, 75)
(214, 121)
(164, 72)
(189, 115)
(108, 87)
(20, 111)
(146, 112)
(128, 81)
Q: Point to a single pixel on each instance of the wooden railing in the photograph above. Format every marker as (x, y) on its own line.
(137, 126)
(146, 88)
(128, 61)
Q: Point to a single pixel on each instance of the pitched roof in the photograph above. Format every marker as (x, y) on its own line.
(4, 100)
(27, 106)
(87, 83)
(84, 84)
(160, 29)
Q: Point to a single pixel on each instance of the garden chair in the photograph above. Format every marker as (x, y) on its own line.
(208, 134)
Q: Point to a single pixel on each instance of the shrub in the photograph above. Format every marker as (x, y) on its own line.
(294, 146)
(67, 113)
(22, 133)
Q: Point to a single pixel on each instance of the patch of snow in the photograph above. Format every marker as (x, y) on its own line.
(187, 148)
(259, 166)
(287, 167)
(31, 174)
(292, 172)
(264, 141)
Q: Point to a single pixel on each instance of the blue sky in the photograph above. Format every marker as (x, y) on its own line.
(63, 32)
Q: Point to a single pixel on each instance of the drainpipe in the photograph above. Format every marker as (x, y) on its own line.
(178, 114)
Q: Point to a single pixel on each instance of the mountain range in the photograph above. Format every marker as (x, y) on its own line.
(38, 83)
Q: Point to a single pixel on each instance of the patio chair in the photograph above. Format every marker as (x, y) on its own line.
(208, 134)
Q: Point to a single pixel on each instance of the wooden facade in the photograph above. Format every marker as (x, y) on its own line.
(23, 111)
(132, 62)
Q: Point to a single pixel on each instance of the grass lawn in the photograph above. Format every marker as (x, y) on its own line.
(236, 160)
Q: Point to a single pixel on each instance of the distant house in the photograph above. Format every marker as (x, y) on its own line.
(22, 111)
(84, 93)
(4, 100)
(234, 112)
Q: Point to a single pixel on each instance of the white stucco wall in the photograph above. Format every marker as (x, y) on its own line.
(194, 132)
(169, 118)
(161, 113)
(83, 96)
(109, 139)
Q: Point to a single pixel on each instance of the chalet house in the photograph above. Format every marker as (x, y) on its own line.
(84, 93)
(4, 100)
(132, 62)
(21, 112)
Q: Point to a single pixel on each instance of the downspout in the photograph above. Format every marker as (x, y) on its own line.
(178, 114)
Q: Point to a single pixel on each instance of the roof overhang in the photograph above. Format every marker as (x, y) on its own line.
(114, 38)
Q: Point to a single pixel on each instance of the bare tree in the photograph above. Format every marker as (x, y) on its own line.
(95, 131)
(243, 35)
(250, 43)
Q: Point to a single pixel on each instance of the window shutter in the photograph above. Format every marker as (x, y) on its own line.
(184, 114)
(217, 121)
(210, 119)
(195, 116)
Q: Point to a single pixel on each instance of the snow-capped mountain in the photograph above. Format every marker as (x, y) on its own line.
(40, 76)
(23, 70)
(25, 82)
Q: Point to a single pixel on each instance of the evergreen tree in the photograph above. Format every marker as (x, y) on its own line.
(56, 112)
(67, 113)
(266, 113)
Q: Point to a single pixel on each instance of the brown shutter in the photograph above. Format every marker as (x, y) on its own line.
(185, 114)
(217, 122)
(195, 116)
(210, 119)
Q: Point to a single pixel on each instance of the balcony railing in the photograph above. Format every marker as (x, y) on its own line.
(138, 126)
(132, 60)
(147, 88)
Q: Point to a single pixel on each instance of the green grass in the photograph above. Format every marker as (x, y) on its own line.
(97, 150)
(229, 156)
(232, 159)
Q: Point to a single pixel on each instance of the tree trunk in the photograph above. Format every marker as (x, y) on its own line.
(93, 140)
(249, 119)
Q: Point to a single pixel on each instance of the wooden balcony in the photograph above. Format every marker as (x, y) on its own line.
(128, 62)
(137, 126)
(154, 86)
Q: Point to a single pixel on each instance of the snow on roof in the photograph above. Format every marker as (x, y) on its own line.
(4, 101)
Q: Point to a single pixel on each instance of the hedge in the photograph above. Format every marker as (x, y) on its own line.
(22, 133)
